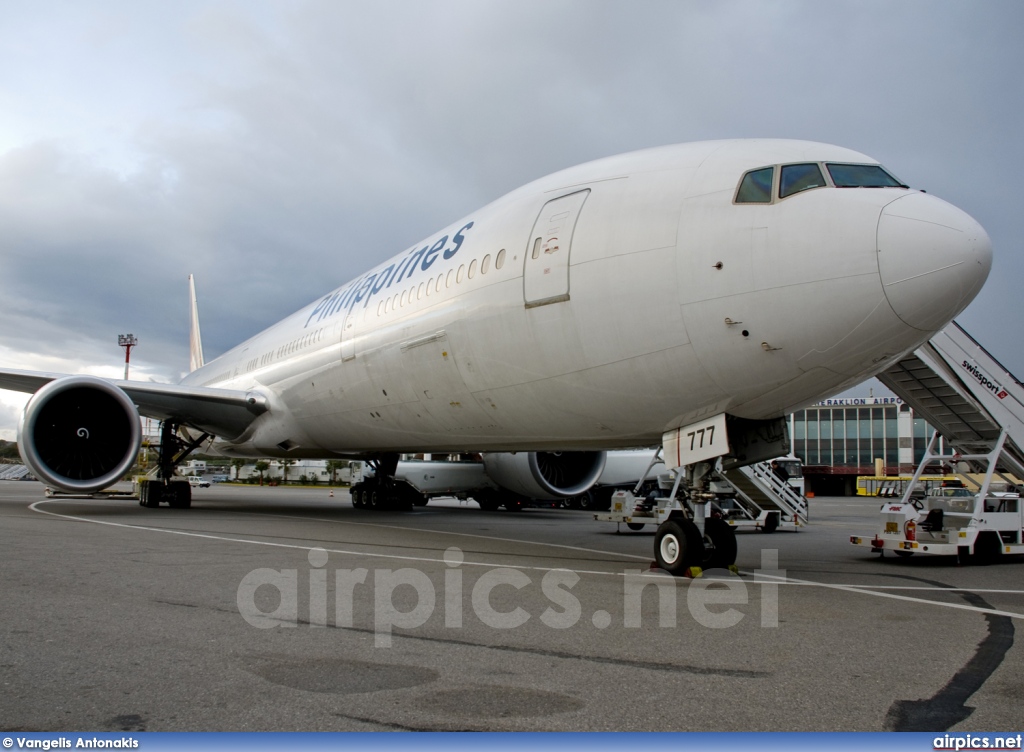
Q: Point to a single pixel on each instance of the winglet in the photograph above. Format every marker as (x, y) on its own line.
(195, 341)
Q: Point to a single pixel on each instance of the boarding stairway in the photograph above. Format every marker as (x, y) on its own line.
(12, 470)
(966, 395)
(760, 488)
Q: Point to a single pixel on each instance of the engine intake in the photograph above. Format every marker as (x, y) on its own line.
(545, 475)
(79, 434)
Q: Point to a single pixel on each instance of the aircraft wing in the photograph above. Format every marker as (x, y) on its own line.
(222, 412)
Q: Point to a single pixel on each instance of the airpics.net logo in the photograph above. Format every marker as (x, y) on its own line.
(499, 597)
(956, 742)
(983, 379)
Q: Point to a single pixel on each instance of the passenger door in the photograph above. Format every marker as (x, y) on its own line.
(546, 270)
(348, 325)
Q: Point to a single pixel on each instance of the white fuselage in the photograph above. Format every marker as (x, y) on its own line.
(606, 304)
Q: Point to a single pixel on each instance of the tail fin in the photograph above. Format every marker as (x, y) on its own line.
(195, 341)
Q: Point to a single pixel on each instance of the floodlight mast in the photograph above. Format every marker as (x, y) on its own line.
(127, 341)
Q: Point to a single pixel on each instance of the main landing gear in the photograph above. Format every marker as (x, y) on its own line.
(382, 491)
(167, 488)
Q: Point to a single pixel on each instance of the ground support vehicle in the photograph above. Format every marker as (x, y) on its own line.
(977, 525)
(415, 482)
(623, 470)
(977, 406)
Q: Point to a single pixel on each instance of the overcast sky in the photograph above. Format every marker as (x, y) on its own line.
(277, 149)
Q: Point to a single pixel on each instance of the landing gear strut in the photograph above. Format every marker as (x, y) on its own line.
(689, 537)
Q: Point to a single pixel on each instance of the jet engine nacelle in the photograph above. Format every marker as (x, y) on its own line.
(79, 434)
(545, 475)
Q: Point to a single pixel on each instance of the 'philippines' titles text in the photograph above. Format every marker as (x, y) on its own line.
(363, 289)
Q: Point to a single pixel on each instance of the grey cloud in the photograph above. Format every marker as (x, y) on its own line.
(286, 148)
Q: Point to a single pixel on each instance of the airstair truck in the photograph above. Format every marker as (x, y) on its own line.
(978, 407)
(975, 527)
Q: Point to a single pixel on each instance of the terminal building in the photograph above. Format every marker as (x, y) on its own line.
(841, 439)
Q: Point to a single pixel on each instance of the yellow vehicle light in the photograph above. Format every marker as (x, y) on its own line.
(963, 534)
(892, 527)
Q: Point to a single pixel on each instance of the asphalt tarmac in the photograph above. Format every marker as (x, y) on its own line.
(283, 609)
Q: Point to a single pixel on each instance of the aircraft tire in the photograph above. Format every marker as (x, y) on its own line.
(677, 546)
(723, 550)
(181, 495)
(150, 497)
(771, 523)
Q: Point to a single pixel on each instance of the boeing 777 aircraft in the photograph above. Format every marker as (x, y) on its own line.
(621, 303)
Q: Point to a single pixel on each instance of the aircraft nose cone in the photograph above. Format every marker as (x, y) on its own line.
(932, 258)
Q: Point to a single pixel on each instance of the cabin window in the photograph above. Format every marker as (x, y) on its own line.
(861, 176)
(448, 278)
(499, 261)
(458, 277)
(437, 287)
(756, 187)
(472, 269)
(485, 264)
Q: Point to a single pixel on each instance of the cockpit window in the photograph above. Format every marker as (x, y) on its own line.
(861, 176)
(756, 187)
(800, 177)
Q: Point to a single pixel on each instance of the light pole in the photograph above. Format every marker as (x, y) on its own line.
(127, 341)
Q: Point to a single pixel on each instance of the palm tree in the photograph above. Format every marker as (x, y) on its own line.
(238, 463)
(334, 466)
(284, 471)
(261, 467)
